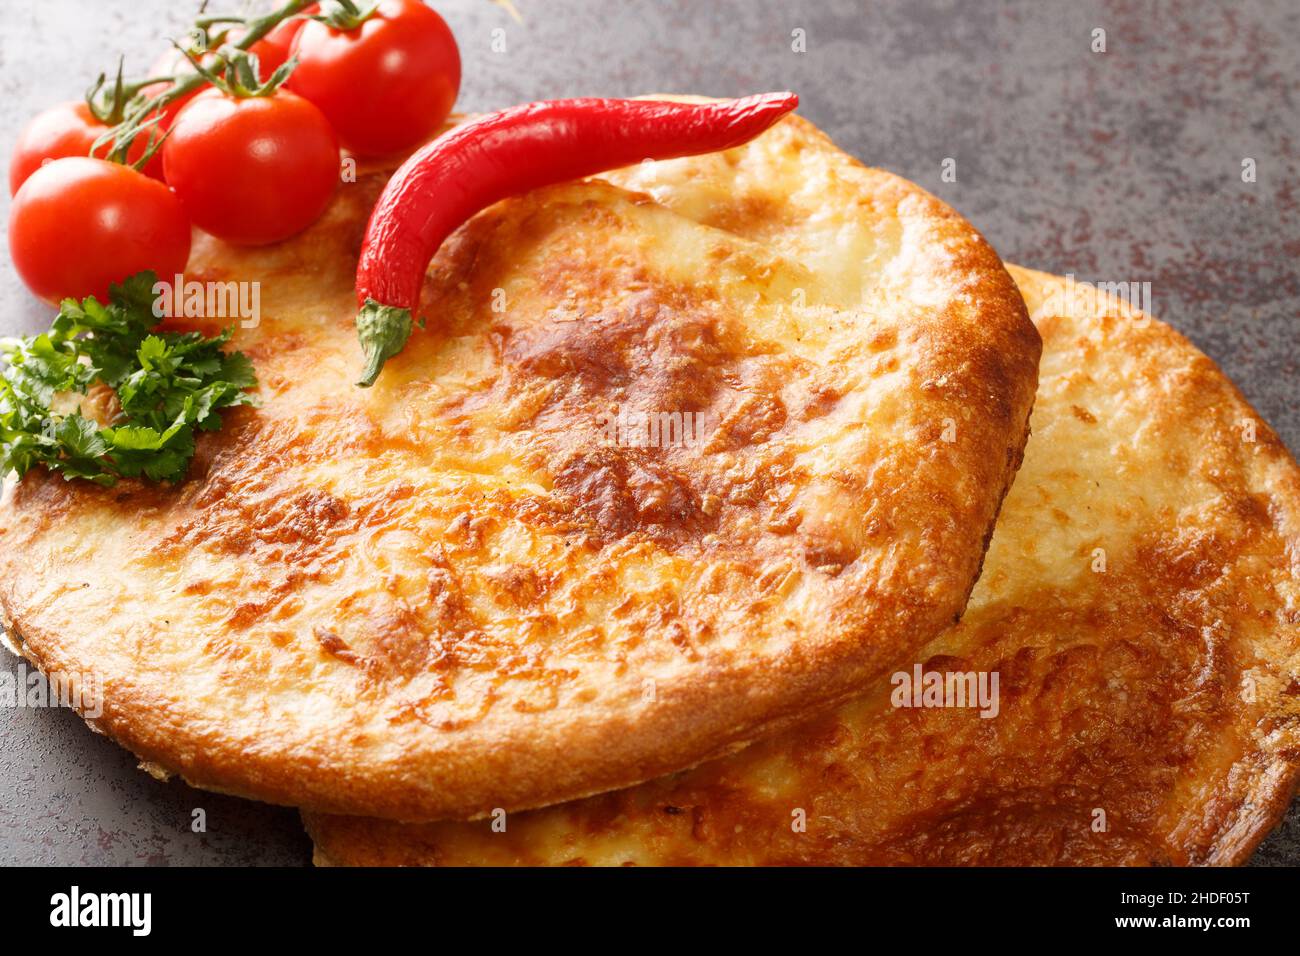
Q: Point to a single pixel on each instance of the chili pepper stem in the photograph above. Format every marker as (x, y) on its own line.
(383, 331)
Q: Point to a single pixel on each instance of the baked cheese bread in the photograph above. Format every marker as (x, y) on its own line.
(1140, 604)
(654, 481)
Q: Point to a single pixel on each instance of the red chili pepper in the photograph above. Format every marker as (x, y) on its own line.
(511, 152)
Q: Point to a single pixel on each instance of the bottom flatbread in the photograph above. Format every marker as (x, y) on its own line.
(1139, 608)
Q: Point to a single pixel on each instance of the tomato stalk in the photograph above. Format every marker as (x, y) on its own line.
(345, 15)
(109, 105)
(237, 75)
(140, 115)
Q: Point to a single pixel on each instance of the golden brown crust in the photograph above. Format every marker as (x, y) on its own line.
(1141, 604)
(448, 594)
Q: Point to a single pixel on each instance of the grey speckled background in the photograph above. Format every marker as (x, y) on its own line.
(1123, 165)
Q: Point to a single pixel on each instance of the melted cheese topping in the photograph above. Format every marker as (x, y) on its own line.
(1140, 604)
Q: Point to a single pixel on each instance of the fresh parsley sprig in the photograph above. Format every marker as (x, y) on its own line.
(167, 384)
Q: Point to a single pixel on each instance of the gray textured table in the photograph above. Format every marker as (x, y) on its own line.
(1114, 166)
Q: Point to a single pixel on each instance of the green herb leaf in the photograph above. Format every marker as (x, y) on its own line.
(168, 384)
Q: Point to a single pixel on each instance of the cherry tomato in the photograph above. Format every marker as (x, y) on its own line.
(69, 129)
(253, 170)
(79, 224)
(277, 46)
(386, 86)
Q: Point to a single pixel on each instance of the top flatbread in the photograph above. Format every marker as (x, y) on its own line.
(482, 584)
(1141, 605)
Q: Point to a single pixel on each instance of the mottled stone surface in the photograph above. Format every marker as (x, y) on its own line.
(1113, 166)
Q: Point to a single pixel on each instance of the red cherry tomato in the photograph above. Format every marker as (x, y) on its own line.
(69, 129)
(270, 55)
(79, 224)
(277, 46)
(253, 170)
(386, 86)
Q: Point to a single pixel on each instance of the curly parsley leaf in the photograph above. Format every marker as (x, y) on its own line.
(167, 384)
